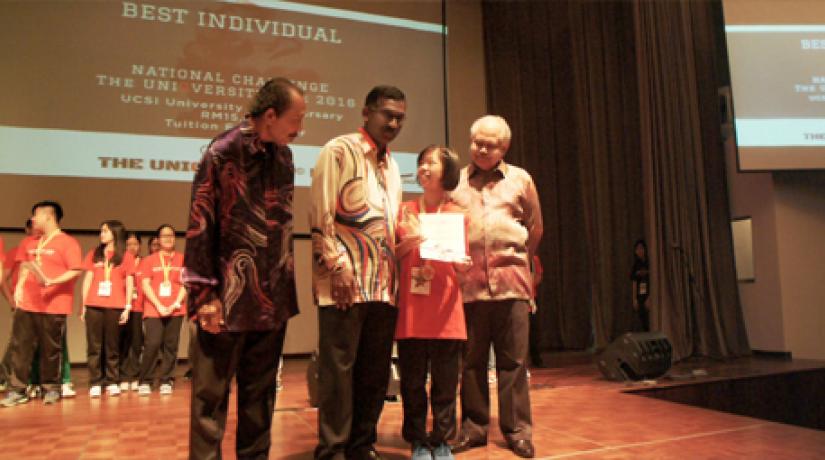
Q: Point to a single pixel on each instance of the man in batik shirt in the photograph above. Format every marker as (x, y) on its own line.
(356, 191)
(504, 232)
(239, 271)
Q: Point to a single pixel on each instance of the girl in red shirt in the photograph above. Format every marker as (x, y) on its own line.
(430, 329)
(164, 294)
(107, 300)
(131, 333)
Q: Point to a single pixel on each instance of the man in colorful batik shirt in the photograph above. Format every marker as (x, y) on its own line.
(504, 232)
(356, 192)
(239, 271)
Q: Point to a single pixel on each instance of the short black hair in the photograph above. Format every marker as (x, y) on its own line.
(449, 161)
(135, 235)
(384, 92)
(56, 208)
(162, 226)
(275, 94)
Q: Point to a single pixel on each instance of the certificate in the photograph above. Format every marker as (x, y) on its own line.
(443, 236)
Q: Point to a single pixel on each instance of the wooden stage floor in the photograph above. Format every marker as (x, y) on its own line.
(576, 414)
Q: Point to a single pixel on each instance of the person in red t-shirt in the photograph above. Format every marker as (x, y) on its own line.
(160, 279)
(131, 333)
(8, 281)
(107, 300)
(430, 329)
(43, 297)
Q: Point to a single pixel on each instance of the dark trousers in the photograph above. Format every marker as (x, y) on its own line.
(162, 337)
(130, 346)
(505, 324)
(102, 333)
(354, 354)
(442, 357)
(6, 367)
(252, 357)
(644, 313)
(30, 331)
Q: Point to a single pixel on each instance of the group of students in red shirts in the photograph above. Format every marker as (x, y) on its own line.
(132, 307)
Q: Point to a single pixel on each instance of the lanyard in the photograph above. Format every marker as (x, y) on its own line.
(42, 245)
(167, 267)
(422, 208)
(107, 268)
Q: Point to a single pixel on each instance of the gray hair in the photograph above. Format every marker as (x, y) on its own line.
(503, 128)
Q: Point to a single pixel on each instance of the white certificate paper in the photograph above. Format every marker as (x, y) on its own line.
(443, 235)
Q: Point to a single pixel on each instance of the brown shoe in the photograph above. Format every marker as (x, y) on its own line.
(523, 448)
(465, 443)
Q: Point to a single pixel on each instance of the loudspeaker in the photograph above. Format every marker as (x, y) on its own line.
(636, 356)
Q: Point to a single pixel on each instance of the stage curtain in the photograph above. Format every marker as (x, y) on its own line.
(569, 76)
(680, 70)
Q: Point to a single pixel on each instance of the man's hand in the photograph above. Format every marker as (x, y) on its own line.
(210, 316)
(343, 288)
(34, 267)
(124, 316)
(83, 314)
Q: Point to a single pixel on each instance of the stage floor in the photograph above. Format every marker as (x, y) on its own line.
(576, 414)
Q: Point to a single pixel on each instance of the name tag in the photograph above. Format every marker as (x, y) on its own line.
(420, 282)
(104, 289)
(165, 290)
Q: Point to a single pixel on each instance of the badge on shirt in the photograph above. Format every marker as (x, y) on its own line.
(642, 288)
(165, 289)
(421, 278)
(104, 289)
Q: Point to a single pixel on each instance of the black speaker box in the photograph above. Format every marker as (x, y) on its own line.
(636, 356)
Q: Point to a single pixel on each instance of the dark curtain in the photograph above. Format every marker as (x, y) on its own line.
(695, 287)
(569, 77)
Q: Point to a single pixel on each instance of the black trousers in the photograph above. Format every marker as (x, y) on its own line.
(102, 334)
(130, 345)
(442, 358)
(6, 367)
(162, 337)
(644, 313)
(252, 357)
(354, 355)
(28, 332)
(505, 324)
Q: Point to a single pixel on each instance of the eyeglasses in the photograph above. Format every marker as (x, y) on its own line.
(486, 145)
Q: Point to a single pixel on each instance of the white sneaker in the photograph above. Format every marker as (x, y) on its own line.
(134, 385)
(113, 390)
(94, 392)
(124, 386)
(166, 389)
(67, 390)
(144, 390)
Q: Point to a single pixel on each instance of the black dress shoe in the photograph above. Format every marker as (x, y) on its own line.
(523, 448)
(465, 443)
(368, 453)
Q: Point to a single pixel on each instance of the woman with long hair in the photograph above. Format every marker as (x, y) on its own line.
(107, 300)
(131, 333)
(164, 294)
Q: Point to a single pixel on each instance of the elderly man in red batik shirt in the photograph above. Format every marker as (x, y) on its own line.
(504, 232)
